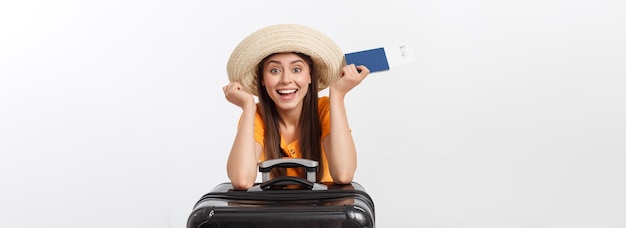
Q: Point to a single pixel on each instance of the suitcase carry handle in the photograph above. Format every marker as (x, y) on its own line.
(309, 165)
(287, 180)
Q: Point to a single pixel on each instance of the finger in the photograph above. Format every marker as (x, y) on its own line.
(344, 70)
(350, 69)
(363, 69)
(353, 68)
(232, 88)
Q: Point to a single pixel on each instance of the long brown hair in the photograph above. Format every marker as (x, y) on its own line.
(309, 128)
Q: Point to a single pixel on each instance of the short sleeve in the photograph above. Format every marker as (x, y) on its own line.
(259, 129)
(323, 107)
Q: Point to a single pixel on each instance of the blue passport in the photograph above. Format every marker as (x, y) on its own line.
(374, 59)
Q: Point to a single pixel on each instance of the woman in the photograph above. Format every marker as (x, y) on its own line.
(286, 65)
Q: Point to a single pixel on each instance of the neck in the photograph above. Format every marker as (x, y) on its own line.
(289, 118)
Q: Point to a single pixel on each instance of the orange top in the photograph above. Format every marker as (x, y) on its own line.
(293, 149)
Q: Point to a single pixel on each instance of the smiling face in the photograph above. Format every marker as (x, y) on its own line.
(286, 77)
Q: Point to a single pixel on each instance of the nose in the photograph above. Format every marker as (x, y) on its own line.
(286, 78)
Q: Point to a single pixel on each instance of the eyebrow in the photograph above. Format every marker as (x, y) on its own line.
(292, 62)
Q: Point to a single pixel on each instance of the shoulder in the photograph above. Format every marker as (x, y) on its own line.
(323, 100)
(323, 104)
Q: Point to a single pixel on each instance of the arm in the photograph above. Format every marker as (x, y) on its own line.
(339, 145)
(244, 154)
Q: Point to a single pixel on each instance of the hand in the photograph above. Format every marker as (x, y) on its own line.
(351, 76)
(235, 94)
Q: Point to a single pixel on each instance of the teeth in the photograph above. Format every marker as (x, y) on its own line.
(287, 91)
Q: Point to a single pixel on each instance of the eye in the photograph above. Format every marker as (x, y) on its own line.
(274, 70)
(297, 69)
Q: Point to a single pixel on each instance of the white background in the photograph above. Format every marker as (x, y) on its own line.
(512, 115)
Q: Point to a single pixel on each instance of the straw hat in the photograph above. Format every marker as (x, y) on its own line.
(326, 55)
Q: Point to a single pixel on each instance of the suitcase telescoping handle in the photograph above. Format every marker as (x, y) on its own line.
(310, 167)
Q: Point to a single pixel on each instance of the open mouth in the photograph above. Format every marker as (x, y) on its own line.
(286, 92)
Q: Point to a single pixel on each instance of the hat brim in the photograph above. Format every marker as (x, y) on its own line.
(282, 38)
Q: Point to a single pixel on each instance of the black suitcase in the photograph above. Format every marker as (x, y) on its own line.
(285, 202)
